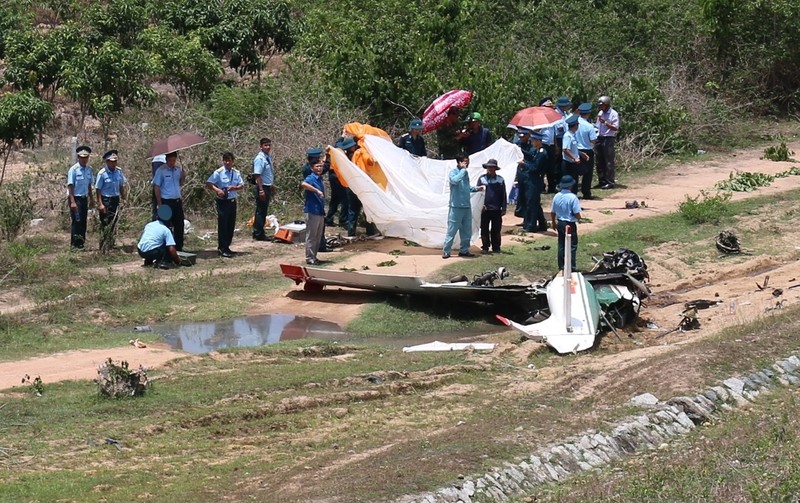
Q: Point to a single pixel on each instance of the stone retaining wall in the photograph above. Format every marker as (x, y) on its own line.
(675, 417)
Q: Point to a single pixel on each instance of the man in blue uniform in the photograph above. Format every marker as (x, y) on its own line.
(155, 163)
(535, 163)
(314, 156)
(79, 196)
(111, 186)
(459, 218)
(225, 182)
(413, 141)
(565, 215)
(586, 137)
(494, 207)
(570, 154)
(524, 141)
(264, 188)
(315, 212)
(447, 134)
(156, 245)
(476, 137)
(553, 162)
(167, 182)
(338, 201)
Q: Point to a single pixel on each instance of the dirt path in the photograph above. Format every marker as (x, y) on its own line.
(673, 282)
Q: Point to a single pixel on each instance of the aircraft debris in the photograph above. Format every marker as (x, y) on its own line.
(727, 242)
(701, 304)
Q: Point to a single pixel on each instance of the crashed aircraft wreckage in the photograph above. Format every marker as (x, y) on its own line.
(565, 315)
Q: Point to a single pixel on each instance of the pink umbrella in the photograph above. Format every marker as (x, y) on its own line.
(535, 118)
(176, 142)
(437, 111)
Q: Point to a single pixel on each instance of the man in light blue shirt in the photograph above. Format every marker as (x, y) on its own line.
(264, 178)
(565, 213)
(167, 182)
(586, 137)
(156, 245)
(570, 154)
(459, 218)
(225, 182)
(79, 191)
(111, 186)
(552, 168)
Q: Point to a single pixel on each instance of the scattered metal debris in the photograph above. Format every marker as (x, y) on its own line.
(727, 242)
(115, 443)
(777, 292)
(766, 282)
(701, 304)
(631, 205)
(777, 307)
(488, 278)
(142, 328)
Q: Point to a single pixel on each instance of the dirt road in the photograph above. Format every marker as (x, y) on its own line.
(673, 282)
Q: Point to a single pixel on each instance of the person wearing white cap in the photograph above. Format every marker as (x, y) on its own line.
(111, 189)
(79, 190)
(608, 128)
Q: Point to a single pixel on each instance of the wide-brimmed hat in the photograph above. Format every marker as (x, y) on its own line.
(491, 163)
(348, 142)
(164, 213)
(566, 182)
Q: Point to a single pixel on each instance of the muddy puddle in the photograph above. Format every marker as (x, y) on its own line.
(252, 331)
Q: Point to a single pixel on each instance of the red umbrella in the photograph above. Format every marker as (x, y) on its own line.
(437, 111)
(176, 142)
(535, 118)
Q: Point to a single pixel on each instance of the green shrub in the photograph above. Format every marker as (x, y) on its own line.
(16, 208)
(705, 208)
(778, 153)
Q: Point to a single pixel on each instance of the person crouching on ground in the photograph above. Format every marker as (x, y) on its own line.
(315, 211)
(157, 244)
(494, 207)
(459, 219)
(565, 214)
(225, 182)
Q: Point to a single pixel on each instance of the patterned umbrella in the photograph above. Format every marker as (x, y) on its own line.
(437, 111)
(175, 142)
(535, 118)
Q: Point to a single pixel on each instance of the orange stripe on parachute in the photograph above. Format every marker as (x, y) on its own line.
(362, 157)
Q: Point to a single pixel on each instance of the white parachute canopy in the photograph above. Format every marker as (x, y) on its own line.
(416, 201)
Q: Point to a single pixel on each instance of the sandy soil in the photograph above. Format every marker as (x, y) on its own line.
(672, 281)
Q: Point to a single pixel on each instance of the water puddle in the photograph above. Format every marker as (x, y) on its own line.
(203, 337)
(252, 331)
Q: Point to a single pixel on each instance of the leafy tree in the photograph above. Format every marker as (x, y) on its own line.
(22, 115)
(121, 20)
(246, 32)
(13, 15)
(108, 79)
(34, 60)
(183, 62)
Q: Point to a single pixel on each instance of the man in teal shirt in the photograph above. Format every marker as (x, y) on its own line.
(459, 219)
